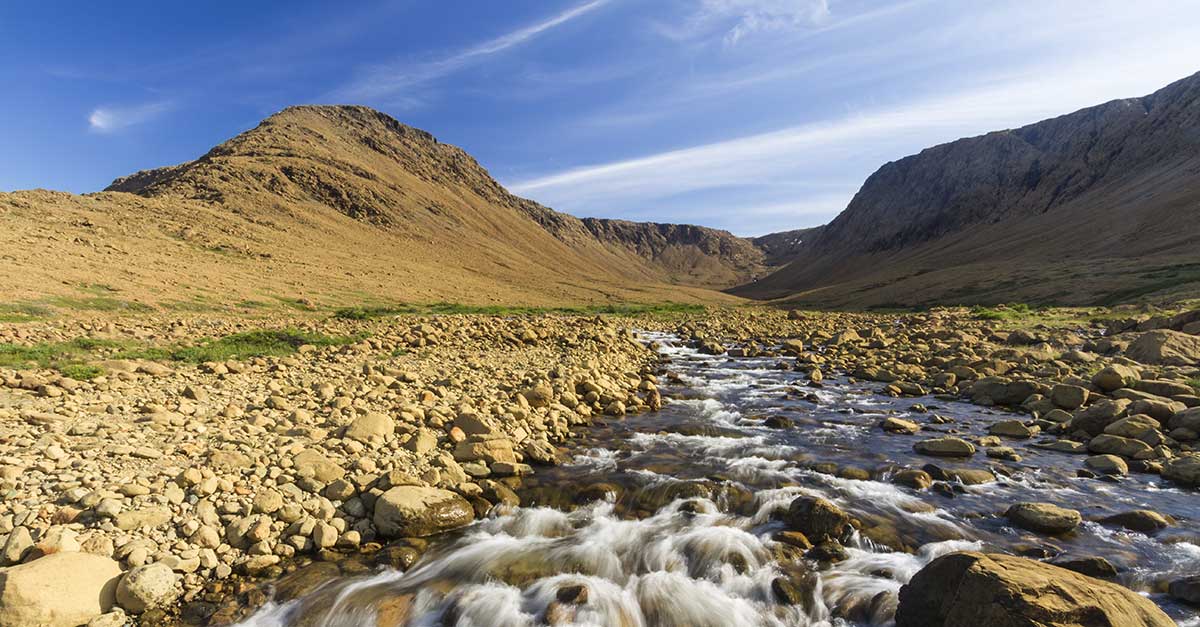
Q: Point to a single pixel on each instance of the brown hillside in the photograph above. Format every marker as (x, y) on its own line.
(332, 204)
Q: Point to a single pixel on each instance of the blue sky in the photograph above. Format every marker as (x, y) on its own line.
(749, 115)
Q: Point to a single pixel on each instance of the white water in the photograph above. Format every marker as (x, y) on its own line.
(692, 564)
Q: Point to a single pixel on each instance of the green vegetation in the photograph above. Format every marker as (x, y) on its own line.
(99, 303)
(264, 343)
(22, 312)
(1195, 383)
(624, 309)
(1014, 311)
(73, 359)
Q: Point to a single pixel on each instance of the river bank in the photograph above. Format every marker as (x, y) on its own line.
(302, 468)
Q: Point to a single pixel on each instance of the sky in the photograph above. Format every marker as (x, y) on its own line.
(748, 115)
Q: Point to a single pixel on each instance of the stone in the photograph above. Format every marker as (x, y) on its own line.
(1069, 397)
(16, 547)
(912, 478)
(1186, 419)
(947, 446)
(1090, 565)
(314, 463)
(1043, 517)
(1165, 389)
(59, 590)
(1004, 591)
(1099, 415)
(1136, 426)
(1165, 347)
(897, 425)
(487, 451)
(422, 441)
(1184, 469)
(1107, 465)
(1140, 520)
(540, 395)
(370, 427)
(818, 519)
(1013, 429)
(1115, 377)
(143, 518)
(149, 586)
(417, 511)
(1186, 589)
(1117, 445)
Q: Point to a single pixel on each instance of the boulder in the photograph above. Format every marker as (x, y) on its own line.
(58, 590)
(1186, 589)
(1043, 517)
(1186, 419)
(892, 424)
(1163, 388)
(818, 519)
(1107, 465)
(418, 511)
(1068, 397)
(1099, 415)
(1117, 445)
(1184, 469)
(371, 426)
(1165, 347)
(1140, 520)
(1004, 591)
(314, 463)
(145, 587)
(1013, 429)
(1115, 377)
(945, 447)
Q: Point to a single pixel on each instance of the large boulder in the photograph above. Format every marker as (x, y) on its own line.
(1115, 377)
(1043, 517)
(418, 511)
(370, 427)
(1166, 347)
(1005, 591)
(58, 590)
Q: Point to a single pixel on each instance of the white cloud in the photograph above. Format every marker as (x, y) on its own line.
(384, 80)
(113, 119)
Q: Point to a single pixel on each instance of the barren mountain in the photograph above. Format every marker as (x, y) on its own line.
(1100, 205)
(341, 203)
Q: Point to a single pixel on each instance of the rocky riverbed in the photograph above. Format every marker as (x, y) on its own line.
(184, 486)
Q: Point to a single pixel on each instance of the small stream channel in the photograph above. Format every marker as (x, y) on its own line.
(670, 518)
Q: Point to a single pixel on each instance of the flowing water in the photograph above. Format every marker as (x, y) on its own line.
(668, 518)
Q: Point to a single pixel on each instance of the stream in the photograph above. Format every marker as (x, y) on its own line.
(670, 518)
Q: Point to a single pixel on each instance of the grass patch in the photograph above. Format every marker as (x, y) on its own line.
(23, 312)
(99, 303)
(74, 358)
(264, 343)
(1195, 383)
(623, 309)
(1015, 311)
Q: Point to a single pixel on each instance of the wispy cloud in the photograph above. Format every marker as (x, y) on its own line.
(735, 20)
(113, 119)
(385, 80)
(863, 139)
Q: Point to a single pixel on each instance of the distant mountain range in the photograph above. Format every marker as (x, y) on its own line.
(345, 203)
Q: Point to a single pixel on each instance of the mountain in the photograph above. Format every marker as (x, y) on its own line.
(1101, 205)
(337, 204)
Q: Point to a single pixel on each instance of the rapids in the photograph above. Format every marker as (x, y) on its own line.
(669, 518)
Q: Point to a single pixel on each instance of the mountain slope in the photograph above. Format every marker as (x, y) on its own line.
(338, 205)
(1099, 205)
(367, 166)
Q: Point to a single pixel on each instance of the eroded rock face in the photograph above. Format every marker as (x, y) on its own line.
(418, 511)
(59, 590)
(1004, 591)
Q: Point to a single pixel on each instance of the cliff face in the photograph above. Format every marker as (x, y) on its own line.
(367, 166)
(1115, 183)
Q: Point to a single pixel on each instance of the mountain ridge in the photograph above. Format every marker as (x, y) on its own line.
(1127, 168)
